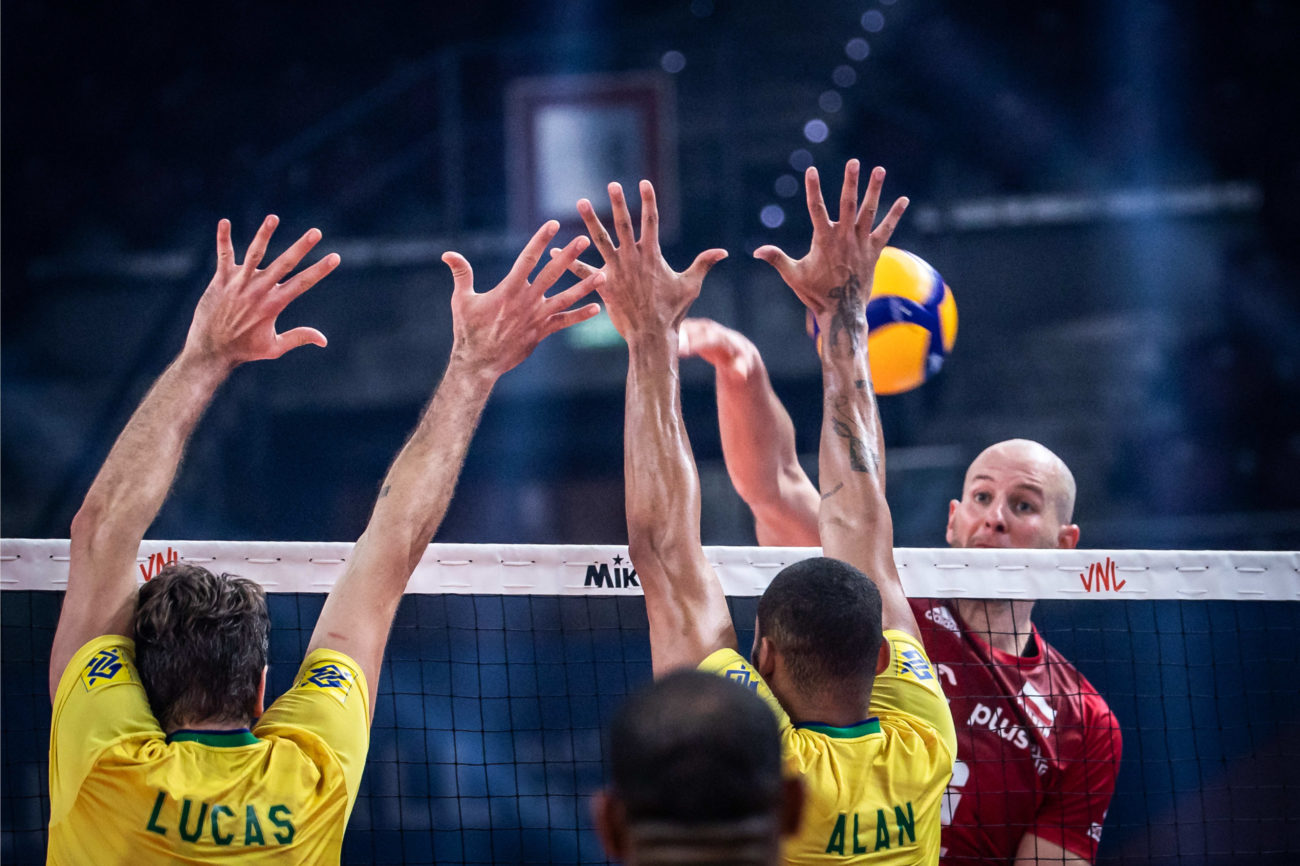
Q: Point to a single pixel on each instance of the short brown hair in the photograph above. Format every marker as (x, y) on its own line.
(201, 642)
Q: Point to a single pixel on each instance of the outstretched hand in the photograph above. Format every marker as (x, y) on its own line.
(498, 329)
(235, 319)
(837, 272)
(643, 294)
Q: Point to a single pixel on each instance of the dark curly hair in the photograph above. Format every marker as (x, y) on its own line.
(201, 642)
(824, 616)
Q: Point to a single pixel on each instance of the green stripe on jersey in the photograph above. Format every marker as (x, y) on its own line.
(861, 729)
(223, 739)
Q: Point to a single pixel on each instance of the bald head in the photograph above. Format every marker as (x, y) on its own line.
(1033, 459)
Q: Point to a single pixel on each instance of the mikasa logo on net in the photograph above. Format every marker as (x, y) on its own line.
(620, 576)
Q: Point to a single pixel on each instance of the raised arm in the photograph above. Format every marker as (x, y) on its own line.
(493, 332)
(834, 281)
(647, 301)
(233, 323)
(757, 436)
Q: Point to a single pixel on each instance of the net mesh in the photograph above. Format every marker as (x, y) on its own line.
(487, 737)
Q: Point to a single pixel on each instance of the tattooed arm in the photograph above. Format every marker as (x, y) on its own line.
(834, 281)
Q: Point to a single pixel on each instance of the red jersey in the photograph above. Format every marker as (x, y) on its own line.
(1037, 747)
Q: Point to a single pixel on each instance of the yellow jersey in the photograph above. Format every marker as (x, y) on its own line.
(873, 791)
(122, 791)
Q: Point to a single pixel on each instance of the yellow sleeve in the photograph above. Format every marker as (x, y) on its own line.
(910, 685)
(99, 702)
(731, 665)
(329, 699)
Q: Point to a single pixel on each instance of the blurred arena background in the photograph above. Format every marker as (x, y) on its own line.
(1109, 189)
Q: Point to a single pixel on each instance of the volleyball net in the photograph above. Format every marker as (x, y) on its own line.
(506, 662)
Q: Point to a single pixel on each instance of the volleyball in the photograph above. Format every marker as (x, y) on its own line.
(911, 322)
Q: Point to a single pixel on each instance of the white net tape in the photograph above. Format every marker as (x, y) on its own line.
(512, 569)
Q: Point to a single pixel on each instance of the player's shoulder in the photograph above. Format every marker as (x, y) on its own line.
(728, 663)
(1099, 720)
(107, 655)
(1094, 705)
(909, 690)
(918, 750)
(909, 657)
(1063, 671)
(329, 699)
(330, 670)
(100, 663)
(1095, 717)
(731, 665)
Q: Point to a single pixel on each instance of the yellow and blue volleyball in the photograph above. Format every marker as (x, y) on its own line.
(911, 322)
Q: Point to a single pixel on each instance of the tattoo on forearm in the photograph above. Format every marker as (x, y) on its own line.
(828, 494)
(857, 453)
(850, 314)
(384, 492)
(862, 458)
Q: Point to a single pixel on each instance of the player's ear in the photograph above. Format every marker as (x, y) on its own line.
(882, 658)
(1068, 536)
(765, 658)
(611, 823)
(792, 799)
(952, 514)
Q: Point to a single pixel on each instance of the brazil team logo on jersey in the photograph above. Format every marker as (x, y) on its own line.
(742, 676)
(329, 677)
(106, 668)
(913, 662)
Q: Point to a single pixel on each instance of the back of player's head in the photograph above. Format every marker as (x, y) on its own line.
(824, 616)
(201, 644)
(693, 749)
